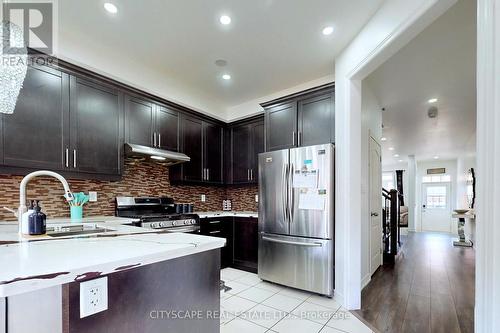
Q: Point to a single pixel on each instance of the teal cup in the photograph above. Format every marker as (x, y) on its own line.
(76, 212)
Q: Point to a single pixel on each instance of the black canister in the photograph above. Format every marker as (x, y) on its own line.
(178, 208)
(190, 208)
(185, 208)
(37, 221)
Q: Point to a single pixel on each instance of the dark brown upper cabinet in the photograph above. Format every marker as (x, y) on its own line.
(139, 115)
(192, 143)
(302, 119)
(212, 153)
(96, 128)
(281, 126)
(66, 123)
(36, 135)
(258, 146)
(247, 142)
(202, 141)
(316, 120)
(167, 128)
(151, 124)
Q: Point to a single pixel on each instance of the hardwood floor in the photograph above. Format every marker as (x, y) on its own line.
(429, 289)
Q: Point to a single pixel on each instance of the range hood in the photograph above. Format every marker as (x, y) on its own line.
(164, 156)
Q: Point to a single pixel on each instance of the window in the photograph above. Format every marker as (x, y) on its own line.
(436, 197)
(436, 179)
(388, 181)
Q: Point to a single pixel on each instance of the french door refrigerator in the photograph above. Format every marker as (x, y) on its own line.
(296, 218)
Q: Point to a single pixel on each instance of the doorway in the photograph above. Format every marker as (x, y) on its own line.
(436, 207)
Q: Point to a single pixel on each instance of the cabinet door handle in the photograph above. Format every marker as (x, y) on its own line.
(214, 222)
(159, 140)
(215, 232)
(248, 174)
(208, 174)
(203, 177)
(251, 174)
(299, 139)
(154, 139)
(293, 138)
(67, 158)
(74, 158)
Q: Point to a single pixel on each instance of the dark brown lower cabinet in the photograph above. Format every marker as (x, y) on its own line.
(245, 243)
(220, 227)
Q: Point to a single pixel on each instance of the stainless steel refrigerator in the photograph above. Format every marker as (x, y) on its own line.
(296, 218)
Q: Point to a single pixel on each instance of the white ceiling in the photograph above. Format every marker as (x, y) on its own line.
(270, 45)
(438, 63)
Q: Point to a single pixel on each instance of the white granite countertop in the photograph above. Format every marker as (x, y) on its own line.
(227, 213)
(28, 264)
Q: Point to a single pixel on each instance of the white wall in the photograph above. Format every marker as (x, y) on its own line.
(371, 122)
(451, 169)
(253, 107)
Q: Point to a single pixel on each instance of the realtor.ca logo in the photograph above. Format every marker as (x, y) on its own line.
(34, 20)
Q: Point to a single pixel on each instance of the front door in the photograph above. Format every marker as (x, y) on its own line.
(375, 206)
(436, 211)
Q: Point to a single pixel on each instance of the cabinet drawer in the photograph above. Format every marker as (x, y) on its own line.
(216, 227)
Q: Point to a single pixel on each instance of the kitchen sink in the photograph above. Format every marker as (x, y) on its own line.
(75, 230)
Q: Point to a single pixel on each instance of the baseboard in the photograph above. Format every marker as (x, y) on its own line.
(339, 298)
(365, 280)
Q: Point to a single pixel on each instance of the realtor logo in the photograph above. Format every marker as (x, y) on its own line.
(36, 21)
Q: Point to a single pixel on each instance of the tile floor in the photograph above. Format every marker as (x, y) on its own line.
(253, 305)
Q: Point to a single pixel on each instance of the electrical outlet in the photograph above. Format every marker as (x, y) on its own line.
(92, 196)
(203, 198)
(256, 198)
(93, 296)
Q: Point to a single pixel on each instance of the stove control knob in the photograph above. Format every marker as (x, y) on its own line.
(161, 224)
(193, 221)
(173, 223)
(154, 225)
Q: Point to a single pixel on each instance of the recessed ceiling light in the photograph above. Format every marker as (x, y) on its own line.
(436, 157)
(221, 62)
(396, 155)
(110, 8)
(383, 139)
(432, 100)
(400, 161)
(391, 148)
(224, 19)
(327, 31)
(159, 158)
(226, 77)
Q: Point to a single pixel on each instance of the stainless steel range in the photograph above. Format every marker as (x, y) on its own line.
(156, 213)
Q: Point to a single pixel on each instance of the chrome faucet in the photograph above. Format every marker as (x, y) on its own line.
(22, 191)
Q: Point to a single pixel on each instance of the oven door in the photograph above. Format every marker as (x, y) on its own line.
(190, 229)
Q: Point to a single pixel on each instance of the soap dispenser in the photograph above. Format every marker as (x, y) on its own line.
(25, 227)
(37, 221)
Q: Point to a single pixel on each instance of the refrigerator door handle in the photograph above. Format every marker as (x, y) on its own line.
(290, 204)
(275, 240)
(284, 192)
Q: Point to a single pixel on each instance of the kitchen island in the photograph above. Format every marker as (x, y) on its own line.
(156, 281)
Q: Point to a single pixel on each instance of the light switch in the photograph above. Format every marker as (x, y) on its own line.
(203, 198)
(256, 198)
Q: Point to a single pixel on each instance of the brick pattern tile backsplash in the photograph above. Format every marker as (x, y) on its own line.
(140, 178)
